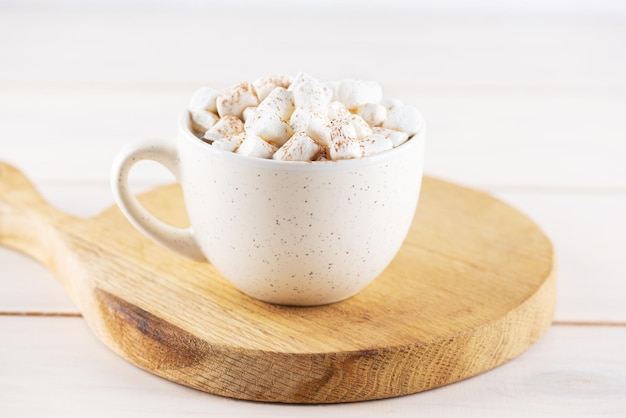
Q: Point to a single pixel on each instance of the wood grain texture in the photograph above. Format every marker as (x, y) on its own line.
(574, 372)
(473, 287)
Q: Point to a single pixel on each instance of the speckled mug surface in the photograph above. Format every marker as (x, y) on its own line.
(292, 233)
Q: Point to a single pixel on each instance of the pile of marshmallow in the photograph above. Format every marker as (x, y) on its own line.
(302, 119)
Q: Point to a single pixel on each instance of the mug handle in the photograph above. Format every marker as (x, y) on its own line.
(180, 240)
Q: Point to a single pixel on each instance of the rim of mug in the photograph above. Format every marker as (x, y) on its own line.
(184, 125)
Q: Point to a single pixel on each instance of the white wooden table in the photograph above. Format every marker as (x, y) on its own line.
(529, 106)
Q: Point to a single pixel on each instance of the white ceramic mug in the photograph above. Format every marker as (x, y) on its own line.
(293, 233)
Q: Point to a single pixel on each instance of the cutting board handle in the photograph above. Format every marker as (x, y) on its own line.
(180, 240)
(27, 222)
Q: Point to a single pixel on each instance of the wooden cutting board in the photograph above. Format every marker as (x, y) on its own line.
(472, 287)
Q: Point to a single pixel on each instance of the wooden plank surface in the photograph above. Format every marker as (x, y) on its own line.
(540, 51)
(576, 372)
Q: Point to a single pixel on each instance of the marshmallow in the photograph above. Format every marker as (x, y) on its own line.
(344, 143)
(389, 103)
(254, 146)
(373, 113)
(375, 143)
(332, 120)
(299, 120)
(270, 127)
(234, 101)
(353, 93)
(338, 110)
(204, 99)
(301, 78)
(229, 143)
(330, 93)
(396, 137)
(308, 93)
(315, 125)
(319, 128)
(300, 147)
(279, 101)
(202, 120)
(331, 88)
(265, 85)
(404, 118)
(248, 112)
(361, 127)
(226, 126)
